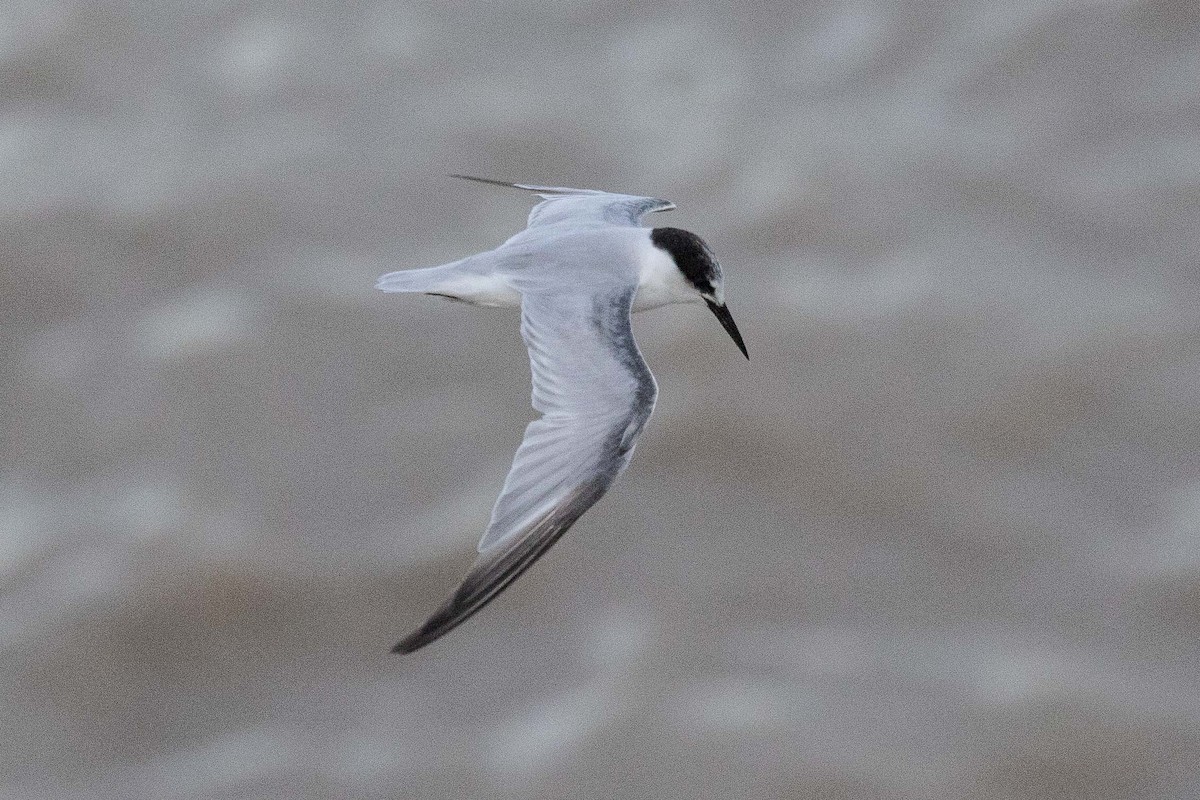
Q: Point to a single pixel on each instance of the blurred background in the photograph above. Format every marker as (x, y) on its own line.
(938, 539)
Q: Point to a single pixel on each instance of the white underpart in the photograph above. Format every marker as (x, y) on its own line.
(482, 290)
(661, 283)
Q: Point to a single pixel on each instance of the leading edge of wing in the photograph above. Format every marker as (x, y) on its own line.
(528, 187)
(581, 204)
(495, 569)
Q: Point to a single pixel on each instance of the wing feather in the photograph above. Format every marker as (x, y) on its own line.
(595, 393)
(581, 207)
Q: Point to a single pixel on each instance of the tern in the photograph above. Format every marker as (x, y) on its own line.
(581, 266)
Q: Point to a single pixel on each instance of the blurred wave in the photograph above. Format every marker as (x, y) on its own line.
(937, 540)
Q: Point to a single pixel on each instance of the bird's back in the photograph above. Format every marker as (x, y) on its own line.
(574, 259)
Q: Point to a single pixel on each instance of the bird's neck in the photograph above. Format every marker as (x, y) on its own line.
(660, 282)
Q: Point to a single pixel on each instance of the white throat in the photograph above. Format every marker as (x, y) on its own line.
(660, 283)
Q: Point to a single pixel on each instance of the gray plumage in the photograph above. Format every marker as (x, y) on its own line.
(579, 269)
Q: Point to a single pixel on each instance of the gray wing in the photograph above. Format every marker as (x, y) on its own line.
(595, 393)
(581, 207)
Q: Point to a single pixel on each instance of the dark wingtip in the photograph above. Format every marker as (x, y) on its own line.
(489, 181)
(494, 571)
(410, 645)
(419, 638)
(431, 630)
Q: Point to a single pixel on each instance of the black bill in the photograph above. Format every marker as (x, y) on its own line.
(728, 324)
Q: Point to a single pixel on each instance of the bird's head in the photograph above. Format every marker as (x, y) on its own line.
(701, 271)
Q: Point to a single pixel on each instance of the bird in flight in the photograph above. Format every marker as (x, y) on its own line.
(582, 265)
